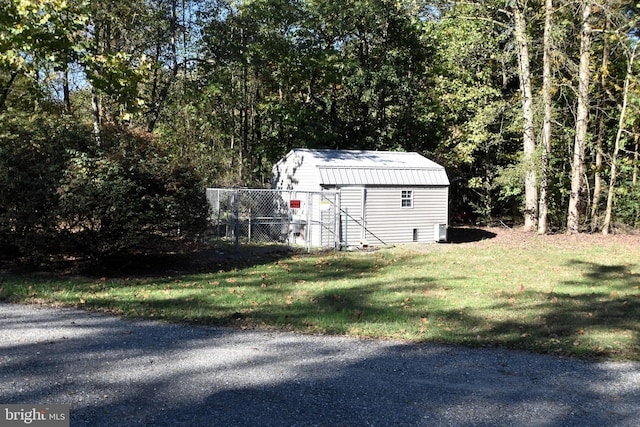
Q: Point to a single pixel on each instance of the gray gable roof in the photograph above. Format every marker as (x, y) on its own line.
(352, 167)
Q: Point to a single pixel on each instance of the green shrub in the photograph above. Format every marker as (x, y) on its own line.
(127, 193)
(61, 192)
(628, 206)
(32, 161)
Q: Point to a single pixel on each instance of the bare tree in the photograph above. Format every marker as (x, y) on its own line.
(616, 148)
(529, 143)
(543, 207)
(597, 178)
(634, 178)
(582, 117)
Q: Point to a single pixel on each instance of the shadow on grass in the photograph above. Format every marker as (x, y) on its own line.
(595, 317)
(186, 260)
(220, 257)
(600, 320)
(468, 234)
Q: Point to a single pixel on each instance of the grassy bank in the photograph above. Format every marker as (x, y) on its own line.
(574, 296)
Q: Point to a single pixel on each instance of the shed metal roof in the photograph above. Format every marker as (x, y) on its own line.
(351, 167)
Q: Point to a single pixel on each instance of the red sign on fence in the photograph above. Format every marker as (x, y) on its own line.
(294, 204)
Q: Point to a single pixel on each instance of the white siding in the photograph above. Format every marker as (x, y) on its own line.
(296, 171)
(389, 222)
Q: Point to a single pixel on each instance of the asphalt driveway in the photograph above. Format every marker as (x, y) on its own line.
(115, 372)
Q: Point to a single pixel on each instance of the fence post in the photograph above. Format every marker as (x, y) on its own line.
(249, 232)
(236, 214)
(289, 218)
(336, 232)
(307, 227)
(346, 228)
(218, 210)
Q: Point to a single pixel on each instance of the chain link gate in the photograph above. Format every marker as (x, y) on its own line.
(302, 218)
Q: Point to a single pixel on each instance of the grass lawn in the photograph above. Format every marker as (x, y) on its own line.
(568, 295)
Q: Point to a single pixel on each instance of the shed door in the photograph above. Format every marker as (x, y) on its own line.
(352, 218)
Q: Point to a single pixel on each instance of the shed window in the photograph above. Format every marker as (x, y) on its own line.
(406, 199)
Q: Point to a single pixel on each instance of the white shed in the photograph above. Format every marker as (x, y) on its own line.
(385, 197)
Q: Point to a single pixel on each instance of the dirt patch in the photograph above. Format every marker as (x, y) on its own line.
(517, 237)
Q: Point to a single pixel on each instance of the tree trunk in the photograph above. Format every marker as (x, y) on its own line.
(543, 211)
(153, 99)
(95, 109)
(95, 97)
(597, 176)
(66, 94)
(529, 143)
(634, 179)
(6, 90)
(577, 168)
(597, 179)
(158, 102)
(616, 148)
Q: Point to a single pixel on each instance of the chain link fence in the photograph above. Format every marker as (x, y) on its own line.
(301, 218)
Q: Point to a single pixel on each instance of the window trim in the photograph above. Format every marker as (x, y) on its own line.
(406, 199)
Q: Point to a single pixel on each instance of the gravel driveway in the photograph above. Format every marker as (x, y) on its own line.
(116, 372)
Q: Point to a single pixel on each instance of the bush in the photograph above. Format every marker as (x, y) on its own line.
(60, 192)
(123, 195)
(628, 206)
(32, 160)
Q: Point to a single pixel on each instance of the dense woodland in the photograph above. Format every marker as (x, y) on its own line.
(115, 114)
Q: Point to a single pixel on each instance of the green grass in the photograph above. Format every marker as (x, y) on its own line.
(540, 294)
